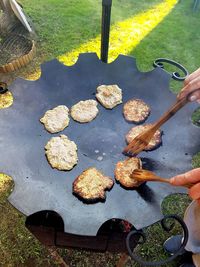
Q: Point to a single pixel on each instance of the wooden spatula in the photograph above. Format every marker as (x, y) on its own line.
(146, 176)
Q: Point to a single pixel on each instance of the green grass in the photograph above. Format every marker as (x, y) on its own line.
(174, 204)
(176, 37)
(196, 161)
(65, 25)
(78, 21)
(196, 117)
(18, 247)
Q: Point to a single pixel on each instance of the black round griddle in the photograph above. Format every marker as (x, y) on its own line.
(39, 187)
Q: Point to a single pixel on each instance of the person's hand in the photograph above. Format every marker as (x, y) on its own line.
(193, 177)
(191, 84)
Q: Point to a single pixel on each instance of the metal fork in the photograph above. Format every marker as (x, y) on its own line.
(142, 140)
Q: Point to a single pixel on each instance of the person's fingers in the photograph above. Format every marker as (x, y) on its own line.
(189, 88)
(194, 191)
(195, 96)
(192, 85)
(192, 176)
(192, 76)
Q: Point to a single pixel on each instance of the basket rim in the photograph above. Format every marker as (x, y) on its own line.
(20, 62)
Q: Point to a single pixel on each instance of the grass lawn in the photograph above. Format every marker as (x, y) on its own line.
(73, 25)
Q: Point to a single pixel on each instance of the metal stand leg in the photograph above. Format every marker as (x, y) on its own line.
(196, 4)
(56, 257)
(105, 29)
(123, 260)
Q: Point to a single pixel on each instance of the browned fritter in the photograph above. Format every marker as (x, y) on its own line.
(124, 169)
(155, 141)
(91, 184)
(136, 110)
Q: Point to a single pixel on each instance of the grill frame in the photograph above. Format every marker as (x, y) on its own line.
(41, 97)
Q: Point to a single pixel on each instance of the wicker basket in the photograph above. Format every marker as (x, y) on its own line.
(27, 50)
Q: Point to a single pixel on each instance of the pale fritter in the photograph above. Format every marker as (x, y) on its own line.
(91, 185)
(155, 141)
(109, 95)
(56, 120)
(136, 110)
(84, 111)
(61, 153)
(124, 169)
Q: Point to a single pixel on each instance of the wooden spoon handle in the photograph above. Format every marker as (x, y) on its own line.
(163, 180)
(188, 185)
(172, 110)
(170, 113)
(154, 179)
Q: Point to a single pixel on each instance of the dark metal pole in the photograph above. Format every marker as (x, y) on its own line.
(105, 29)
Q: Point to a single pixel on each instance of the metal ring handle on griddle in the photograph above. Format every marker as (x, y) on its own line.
(175, 75)
(3, 88)
(166, 228)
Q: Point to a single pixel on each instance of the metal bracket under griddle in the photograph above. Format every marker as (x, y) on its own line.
(39, 187)
(167, 228)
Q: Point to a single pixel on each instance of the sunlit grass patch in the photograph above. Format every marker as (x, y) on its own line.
(5, 184)
(196, 161)
(6, 100)
(196, 117)
(17, 245)
(125, 35)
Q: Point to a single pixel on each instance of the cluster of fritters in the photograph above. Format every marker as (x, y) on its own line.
(61, 152)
